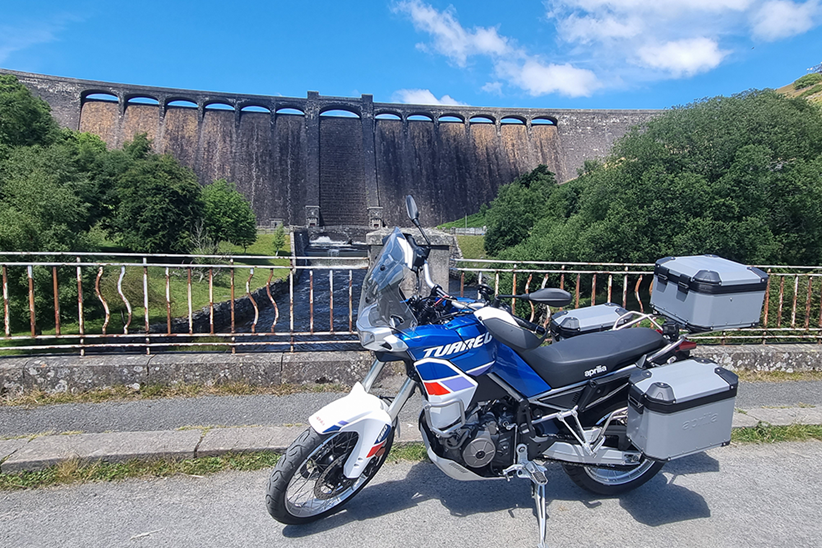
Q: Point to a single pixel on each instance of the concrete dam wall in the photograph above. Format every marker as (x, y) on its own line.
(300, 162)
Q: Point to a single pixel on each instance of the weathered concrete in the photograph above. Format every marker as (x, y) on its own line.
(785, 416)
(323, 367)
(263, 369)
(773, 357)
(45, 451)
(218, 441)
(77, 374)
(302, 166)
(9, 447)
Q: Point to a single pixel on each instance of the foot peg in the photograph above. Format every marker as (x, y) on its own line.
(536, 473)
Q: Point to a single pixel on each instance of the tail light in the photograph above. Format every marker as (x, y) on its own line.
(687, 345)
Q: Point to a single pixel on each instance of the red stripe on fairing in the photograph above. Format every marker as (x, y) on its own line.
(375, 449)
(435, 389)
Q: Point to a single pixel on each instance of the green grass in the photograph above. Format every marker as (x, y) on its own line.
(412, 452)
(811, 91)
(472, 247)
(766, 433)
(36, 398)
(73, 472)
(477, 220)
(132, 286)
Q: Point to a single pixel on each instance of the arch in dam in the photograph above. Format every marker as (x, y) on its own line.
(299, 166)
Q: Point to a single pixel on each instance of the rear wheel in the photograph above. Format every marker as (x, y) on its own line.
(308, 482)
(612, 481)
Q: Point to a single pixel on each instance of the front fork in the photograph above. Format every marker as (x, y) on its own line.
(406, 390)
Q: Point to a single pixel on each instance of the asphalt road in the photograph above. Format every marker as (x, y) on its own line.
(751, 495)
(168, 414)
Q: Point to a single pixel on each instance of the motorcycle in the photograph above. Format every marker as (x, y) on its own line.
(497, 402)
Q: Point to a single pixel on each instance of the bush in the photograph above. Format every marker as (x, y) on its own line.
(160, 204)
(807, 81)
(737, 176)
(227, 215)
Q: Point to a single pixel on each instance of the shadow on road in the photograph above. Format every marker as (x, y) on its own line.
(660, 501)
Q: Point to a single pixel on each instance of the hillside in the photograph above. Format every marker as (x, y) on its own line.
(810, 90)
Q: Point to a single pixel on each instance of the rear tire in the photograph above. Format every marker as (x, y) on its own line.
(609, 481)
(308, 484)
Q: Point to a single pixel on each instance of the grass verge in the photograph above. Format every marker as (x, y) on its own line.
(766, 433)
(778, 376)
(38, 397)
(73, 472)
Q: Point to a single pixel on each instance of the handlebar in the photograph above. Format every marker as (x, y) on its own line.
(536, 328)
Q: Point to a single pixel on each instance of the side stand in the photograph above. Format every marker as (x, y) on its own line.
(528, 469)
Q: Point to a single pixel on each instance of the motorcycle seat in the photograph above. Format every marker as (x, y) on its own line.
(586, 356)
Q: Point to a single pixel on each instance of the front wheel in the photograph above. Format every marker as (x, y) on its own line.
(308, 482)
(610, 481)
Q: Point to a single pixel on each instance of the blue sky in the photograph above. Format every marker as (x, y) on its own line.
(527, 53)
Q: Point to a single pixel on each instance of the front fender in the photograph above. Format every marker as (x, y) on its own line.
(359, 412)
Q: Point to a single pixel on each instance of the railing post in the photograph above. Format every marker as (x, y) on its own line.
(56, 301)
(31, 301)
(6, 320)
(145, 305)
(80, 321)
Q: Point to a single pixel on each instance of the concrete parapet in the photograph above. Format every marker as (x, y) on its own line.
(78, 374)
(772, 357)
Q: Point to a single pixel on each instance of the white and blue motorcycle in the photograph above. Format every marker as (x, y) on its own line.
(497, 402)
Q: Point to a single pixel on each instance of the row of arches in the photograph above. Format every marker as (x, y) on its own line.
(331, 110)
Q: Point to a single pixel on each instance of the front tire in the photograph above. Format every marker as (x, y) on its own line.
(610, 481)
(308, 484)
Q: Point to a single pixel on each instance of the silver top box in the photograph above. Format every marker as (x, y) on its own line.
(706, 292)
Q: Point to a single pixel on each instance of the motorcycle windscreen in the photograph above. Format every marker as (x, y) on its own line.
(382, 286)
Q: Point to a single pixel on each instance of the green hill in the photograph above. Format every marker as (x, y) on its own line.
(808, 86)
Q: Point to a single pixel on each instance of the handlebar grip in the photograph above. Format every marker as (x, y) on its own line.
(538, 329)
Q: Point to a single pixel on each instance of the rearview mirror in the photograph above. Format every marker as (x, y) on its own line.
(411, 208)
(550, 296)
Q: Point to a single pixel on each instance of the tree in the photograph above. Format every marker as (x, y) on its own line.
(517, 208)
(227, 215)
(24, 119)
(159, 204)
(737, 176)
(278, 239)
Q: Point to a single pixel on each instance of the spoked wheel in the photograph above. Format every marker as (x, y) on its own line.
(308, 482)
(611, 481)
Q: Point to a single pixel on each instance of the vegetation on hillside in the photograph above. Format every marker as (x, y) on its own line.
(62, 190)
(737, 176)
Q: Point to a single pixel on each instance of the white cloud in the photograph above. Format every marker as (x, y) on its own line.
(672, 38)
(540, 79)
(513, 64)
(450, 38)
(683, 57)
(494, 88)
(782, 19)
(612, 42)
(423, 97)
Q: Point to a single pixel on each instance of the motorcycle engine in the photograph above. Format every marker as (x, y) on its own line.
(480, 442)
